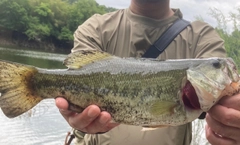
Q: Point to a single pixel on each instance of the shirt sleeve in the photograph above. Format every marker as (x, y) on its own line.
(79, 137)
(87, 36)
(208, 42)
(90, 139)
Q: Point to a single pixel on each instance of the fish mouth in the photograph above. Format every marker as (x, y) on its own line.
(189, 97)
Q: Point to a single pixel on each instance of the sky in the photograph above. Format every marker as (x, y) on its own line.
(189, 8)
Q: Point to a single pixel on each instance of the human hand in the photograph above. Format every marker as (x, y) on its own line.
(90, 121)
(223, 122)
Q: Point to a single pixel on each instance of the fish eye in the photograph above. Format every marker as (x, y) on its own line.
(216, 64)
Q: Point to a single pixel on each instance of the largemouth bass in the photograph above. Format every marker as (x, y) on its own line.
(144, 92)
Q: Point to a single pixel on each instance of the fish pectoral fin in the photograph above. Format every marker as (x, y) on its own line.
(152, 128)
(162, 107)
(81, 58)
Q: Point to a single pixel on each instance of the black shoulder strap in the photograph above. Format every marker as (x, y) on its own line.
(166, 38)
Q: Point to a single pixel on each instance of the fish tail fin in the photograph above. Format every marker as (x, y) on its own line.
(16, 95)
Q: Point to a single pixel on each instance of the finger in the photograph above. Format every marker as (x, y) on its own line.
(100, 124)
(215, 139)
(221, 129)
(231, 102)
(82, 120)
(62, 105)
(226, 116)
(91, 120)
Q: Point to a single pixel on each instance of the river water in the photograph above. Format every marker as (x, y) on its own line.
(43, 125)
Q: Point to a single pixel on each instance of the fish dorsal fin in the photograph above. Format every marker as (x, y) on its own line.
(162, 107)
(81, 58)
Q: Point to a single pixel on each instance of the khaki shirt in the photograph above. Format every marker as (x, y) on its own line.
(125, 34)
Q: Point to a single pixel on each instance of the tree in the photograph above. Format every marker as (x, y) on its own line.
(48, 20)
(81, 11)
(232, 40)
(14, 14)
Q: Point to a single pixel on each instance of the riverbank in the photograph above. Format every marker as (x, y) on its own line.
(14, 39)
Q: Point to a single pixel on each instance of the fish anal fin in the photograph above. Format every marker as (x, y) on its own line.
(81, 58)
(75, 108)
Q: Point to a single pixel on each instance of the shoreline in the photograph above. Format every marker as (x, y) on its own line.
(11, 39)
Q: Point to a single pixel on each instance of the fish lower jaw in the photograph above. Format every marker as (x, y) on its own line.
(207, 99)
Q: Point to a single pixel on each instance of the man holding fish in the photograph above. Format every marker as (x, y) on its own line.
(128, 33)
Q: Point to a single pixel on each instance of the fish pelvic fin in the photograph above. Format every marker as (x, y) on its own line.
(152, 128)
(81, 58)
(159, 108)
(16, 95)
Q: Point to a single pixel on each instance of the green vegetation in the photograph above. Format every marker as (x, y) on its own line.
(47, 20)
(232, 40)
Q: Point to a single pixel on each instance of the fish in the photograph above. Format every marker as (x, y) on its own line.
(135, 91)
